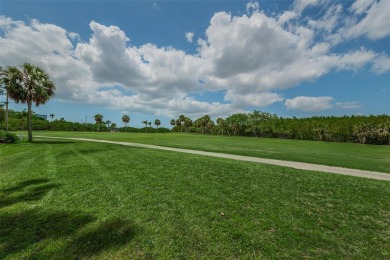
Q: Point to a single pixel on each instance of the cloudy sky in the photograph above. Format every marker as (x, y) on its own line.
(160, 59)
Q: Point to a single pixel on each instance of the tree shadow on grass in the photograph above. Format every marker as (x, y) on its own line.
(25, 184)
(22, 230)
(31, 190)
(111, 234)
(34, 232)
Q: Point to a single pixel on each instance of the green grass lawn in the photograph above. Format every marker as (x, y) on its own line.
(355, 156)
(66, 200)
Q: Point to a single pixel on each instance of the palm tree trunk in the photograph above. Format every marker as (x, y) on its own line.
(29, 115)
(6, 113)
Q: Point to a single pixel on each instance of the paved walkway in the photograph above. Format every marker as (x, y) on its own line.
(295, 165)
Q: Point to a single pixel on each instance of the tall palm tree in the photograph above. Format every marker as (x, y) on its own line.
(150, 126)
(182, 120)
(126, 120)
(173, 123)
(157, 123)
(178, 123)
(98, 119)
(3, 79)
(187, 123)
(222, 125)
(29, 84)
(52, 116)
(146, 125)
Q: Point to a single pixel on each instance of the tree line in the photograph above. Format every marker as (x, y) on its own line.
(17, 121)
(373, 129)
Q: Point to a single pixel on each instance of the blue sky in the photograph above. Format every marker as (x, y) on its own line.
(160, 59)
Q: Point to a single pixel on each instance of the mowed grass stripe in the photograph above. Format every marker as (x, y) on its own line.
(110, 201)
(295, 165)
(347, 155)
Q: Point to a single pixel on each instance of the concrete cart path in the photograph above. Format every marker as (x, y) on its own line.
(295, 165)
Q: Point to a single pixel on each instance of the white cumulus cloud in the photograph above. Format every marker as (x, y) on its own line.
(189, 36)
(309, 104)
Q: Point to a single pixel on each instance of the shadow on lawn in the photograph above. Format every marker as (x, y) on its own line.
(31, 190)
(39, 233)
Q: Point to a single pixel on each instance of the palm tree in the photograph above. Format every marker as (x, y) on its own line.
(150, 126)
(52, 116)
(108, 123)
(113, 127)
(146, 125)
(157, 123)
(182, 120)
(178, 123)
(3, 79)
(126, 120)
(363, 131)
(173, 123)
(222, 124)
(383, 131)
(29, 84)
(209, 126)
(187, 124)
(98, 119)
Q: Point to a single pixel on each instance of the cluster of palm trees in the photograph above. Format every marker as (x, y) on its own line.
(126, 121)
(27, 84)
(369, 133)
(99, 120)
(183, 122)
(157, 123)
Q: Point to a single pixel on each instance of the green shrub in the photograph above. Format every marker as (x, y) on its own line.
(8, 138)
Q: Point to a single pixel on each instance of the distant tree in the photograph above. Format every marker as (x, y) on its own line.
(363, 131)
(237, 123)
(108, 123)
(150, 126)
(126, 120)
(222, 125)
(113, 126)
(187, 124)
(182, 119)
(178, 124)
(173, 123)
(383, 132)
(202, 122)
(29, 84)
(98, 119)
(52, 116)
(157, 123)
(22, 115)
(146, 125)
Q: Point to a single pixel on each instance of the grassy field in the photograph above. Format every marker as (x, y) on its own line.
(355, 156)
(66, 200)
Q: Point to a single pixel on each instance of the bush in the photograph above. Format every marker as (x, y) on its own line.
(8, 138)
